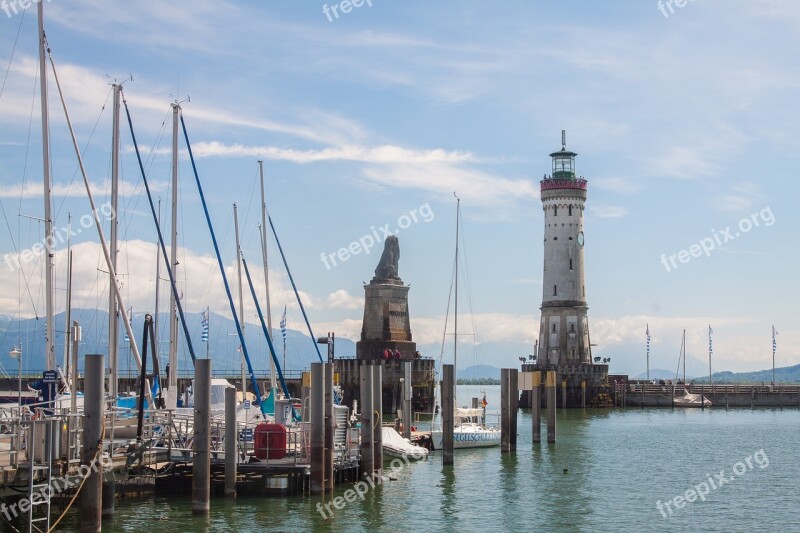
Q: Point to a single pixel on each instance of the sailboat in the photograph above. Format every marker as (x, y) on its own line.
(468, 431)
(686, 399)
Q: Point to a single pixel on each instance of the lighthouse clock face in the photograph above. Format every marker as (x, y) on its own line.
(580, 239)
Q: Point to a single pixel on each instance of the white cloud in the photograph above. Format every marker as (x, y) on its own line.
(342, 299)
(608, 211)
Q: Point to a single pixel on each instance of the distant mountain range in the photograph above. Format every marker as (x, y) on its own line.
(223, 346)
(787, 374)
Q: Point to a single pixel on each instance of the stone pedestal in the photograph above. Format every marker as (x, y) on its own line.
(386, 322)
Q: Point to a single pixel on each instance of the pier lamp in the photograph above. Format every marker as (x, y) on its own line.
(16, 353)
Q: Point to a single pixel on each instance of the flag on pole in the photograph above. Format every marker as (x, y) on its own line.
(710, 346)
(648, 339)
(774, 343)
(204, 335)
(283, 323)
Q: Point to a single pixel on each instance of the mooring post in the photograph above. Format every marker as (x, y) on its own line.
(447, 414)
(407, 396)
(231, 453)
(702, 400)
(367, 450)
(505, 411)
(536, 406)
(93, 393)
(513, 405)
(330, 425)
(563, 393)
(550, 392)
(317, 428)
(377, 413)
(201, 452)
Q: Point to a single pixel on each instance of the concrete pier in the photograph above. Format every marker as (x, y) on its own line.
(536, 406)
(509, 402)
(367, 450)
(550, 392)
(230, 442)
(407, 399)
(330, 427)
(448, 383)
(201, 453)
(317, 428)
(377, 410)
(91, 493)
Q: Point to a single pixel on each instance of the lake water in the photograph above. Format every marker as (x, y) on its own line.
(619, 463)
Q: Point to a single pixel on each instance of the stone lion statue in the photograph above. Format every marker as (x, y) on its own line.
(387, 267)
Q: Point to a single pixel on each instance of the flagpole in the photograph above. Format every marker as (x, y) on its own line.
(208, 344)
(774, 346)
(648, 353)
(710, 381)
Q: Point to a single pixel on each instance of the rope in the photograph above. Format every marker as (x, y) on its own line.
(97, 453)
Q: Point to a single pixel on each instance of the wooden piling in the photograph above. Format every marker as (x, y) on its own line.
(550, 392)
(201, 453)
(317, 428)
(407, 396)
(230, 442)
(367, 451)
(448, 383)
(563, 393)
(536, 406)
(377, 413)
(93, 393)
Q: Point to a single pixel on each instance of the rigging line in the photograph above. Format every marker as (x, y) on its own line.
(21, 192)
(447, 311)
(13, 50)
(239, 331)
(294, 286)
(173, 285)
(83, 153)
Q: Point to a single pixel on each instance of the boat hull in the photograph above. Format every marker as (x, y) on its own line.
(468, 438)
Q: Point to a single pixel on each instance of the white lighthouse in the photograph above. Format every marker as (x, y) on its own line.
(564, 332)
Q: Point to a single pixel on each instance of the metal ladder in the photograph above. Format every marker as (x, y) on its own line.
(50, 428)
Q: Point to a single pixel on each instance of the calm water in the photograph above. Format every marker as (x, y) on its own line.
(620, 463)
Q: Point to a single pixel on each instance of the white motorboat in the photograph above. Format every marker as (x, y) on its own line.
(396, 446)
(468, 434)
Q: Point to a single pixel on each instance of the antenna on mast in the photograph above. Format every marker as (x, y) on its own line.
(563, 139)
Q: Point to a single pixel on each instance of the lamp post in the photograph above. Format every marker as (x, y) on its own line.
(16, 353)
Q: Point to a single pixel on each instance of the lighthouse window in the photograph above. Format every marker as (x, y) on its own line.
(555, 290)
(572, 330)
(570, 210)
(570, 264)
(555, 210)
(554, 328)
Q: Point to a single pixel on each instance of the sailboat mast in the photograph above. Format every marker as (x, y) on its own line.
(49, 239)
(455, 307)
(172, 397)
(241, 299)
(158, 282)
(263, 232)
(68, 313)
(683, 344)
(113, 328)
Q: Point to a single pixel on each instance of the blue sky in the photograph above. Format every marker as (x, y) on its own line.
(685, 125)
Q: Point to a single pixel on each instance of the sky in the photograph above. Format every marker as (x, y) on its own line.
(372, 117)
